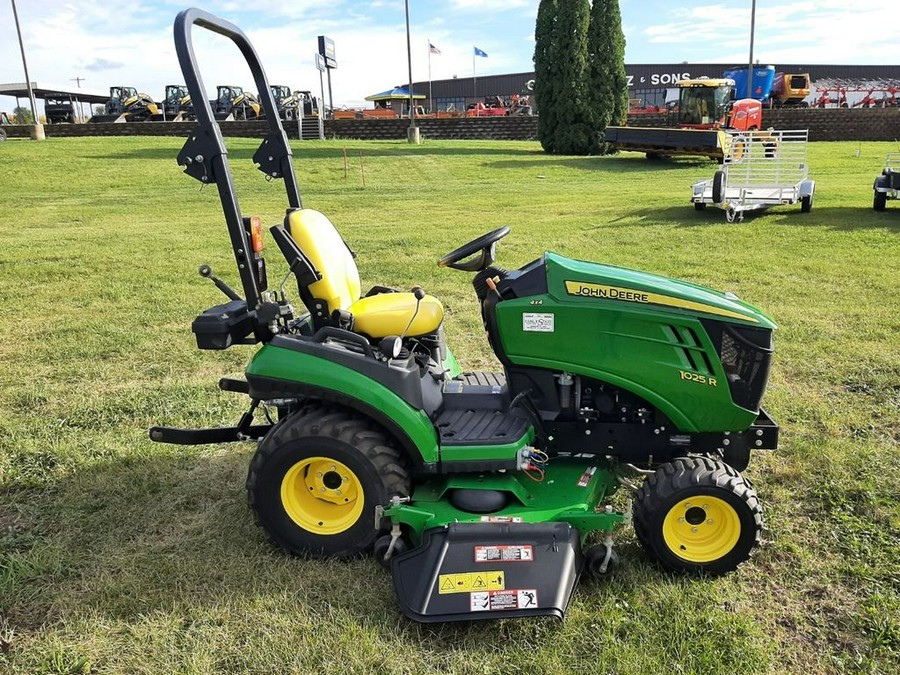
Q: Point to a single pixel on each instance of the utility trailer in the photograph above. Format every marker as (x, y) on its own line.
(760, 169)
(887, 185)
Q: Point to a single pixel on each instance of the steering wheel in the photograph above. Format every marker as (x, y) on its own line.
(485, 245)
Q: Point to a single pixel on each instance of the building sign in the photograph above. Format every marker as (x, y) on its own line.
(656, 79)
(326, 49)
(320, 62)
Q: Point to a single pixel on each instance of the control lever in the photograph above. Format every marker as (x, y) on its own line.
(206, 272)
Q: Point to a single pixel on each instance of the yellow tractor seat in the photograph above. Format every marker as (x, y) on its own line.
(392, 314)
(377, 315)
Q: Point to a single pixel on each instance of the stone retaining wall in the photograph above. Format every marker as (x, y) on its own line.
(832, 124)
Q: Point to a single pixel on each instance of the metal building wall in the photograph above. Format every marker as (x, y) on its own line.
(652, 79)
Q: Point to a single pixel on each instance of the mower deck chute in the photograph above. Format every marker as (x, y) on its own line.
(479, 489)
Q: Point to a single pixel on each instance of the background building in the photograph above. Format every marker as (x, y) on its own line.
(648, 83)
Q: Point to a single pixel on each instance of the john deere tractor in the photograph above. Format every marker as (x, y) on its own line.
(480, 490)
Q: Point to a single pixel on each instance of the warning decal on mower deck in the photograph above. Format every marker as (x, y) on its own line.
(523, 553)
(587, 476)
(467, 582)
(501, 519)
(489, 601)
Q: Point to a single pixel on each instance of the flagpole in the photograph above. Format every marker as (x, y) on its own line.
(430, 100)
(474, 78)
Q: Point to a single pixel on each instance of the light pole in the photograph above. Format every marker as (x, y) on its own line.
(412, 134)
(37, 130)
(750, 67)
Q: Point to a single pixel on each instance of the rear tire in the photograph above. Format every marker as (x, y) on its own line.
(879, 202)
(316, 479)
(718, 187)
(697, 515)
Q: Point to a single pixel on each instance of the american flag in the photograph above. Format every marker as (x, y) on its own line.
(432, 49)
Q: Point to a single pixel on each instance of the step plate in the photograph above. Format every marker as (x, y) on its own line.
(480, 427)
(490, 570)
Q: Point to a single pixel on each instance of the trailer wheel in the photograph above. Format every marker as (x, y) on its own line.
(316, 479)
(806, 203)
(879, 201)
(697, 515)
(718, 187)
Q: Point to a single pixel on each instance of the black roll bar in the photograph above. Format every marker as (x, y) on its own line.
(205, 156)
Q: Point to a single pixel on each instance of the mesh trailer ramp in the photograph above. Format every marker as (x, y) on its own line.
(760, 169)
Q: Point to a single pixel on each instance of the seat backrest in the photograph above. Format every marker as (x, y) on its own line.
(320, 242)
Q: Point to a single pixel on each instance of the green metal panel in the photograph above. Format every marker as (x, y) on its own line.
(567, 494)
(451, 365)
(471, 453)
(635, 331)
(286, 364)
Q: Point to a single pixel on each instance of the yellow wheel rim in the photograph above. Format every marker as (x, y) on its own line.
(701, 529)
(322, 496)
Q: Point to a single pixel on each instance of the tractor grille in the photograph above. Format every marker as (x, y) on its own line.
(746, 355)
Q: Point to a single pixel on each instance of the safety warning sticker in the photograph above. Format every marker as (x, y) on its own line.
(489, 601)
(501, 519)
(587, 476)
(466, 582)
(504, 553)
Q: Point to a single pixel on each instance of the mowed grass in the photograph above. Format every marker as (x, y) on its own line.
(120, 555)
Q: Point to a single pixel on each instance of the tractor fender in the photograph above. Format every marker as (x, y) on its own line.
(278, 372)
(807, 188)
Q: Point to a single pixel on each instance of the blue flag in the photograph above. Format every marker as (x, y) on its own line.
(478, 52)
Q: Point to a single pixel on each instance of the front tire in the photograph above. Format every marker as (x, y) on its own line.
(316, 479)
(697, 515)
(879, 202)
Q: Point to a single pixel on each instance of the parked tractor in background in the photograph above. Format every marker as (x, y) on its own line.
(234, 102)
(59, 109)
(706, 109)
(177, 103)
(790, 90)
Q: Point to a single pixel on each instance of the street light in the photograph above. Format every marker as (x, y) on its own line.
(412, 134)
(37, 131)
(750, 67)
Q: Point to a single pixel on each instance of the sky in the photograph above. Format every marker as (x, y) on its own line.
(129, 42)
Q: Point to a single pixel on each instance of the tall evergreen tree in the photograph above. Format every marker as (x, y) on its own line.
(546, 66)
(561, 77)
(607, 82)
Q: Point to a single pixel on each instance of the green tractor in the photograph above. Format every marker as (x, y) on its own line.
(479, 490)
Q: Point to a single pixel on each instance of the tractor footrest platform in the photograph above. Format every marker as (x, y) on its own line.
(490, 570)
(480, 427)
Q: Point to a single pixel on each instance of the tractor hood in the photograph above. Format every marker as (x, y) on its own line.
(568, 278)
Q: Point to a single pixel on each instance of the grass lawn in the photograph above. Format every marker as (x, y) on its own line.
(120, 555)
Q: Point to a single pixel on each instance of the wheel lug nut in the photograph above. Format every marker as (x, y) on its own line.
(693, 529)
(681, 520)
